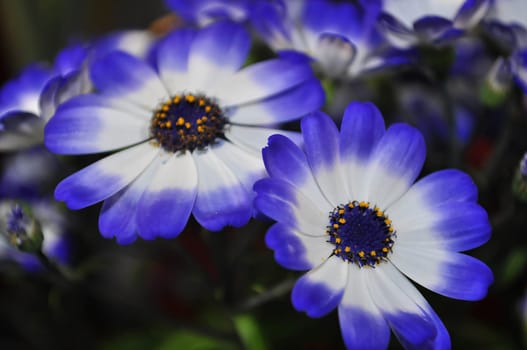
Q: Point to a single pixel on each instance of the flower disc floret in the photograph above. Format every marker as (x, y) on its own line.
(187, 122)
(362, 235)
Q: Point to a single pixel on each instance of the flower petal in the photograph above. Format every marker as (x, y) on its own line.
(321, 142)
(261, 80)
(282, 202)
(123, 75)
(395, 164)
(105, 177)
(290, 105)
(216, 53)
(247, 167)
(166, 204)
(412, 320)
(285, 160)
(361, 323)
(172, 59)
(451, 274)
(253, 139)
(20, 130)
(93, 129)
(118, 213)
(320, 290)
(221, 200)
(361, 129)
(296, 251)
(471, 13)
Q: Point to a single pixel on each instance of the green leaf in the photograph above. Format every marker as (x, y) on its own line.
(250, 332)
(190, 340)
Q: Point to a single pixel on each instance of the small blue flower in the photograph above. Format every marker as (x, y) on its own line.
(407, 22)
(21, 107)
(27, 213)
(192, 130)
(28, 226)
(347, 210)
(340, 37)
(28, 101)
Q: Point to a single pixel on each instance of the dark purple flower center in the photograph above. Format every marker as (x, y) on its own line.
(361, 235)
(187, 122)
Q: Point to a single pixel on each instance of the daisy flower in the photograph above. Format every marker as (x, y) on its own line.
(407, 22)
(28, 101)
(21, 125)
(189, 132)
(349, 212)
(340, 37)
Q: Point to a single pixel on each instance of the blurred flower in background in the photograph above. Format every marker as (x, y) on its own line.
(407, 22)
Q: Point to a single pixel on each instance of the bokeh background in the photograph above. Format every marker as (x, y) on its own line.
(223, 290)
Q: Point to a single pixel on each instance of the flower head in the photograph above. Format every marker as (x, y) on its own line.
(28, 101)
(348, 210)
(191, 129)
(30, 221)
(407, 22)
(341, 37)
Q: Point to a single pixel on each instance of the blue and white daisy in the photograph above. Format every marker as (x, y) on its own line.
(407, 22)
(347, 210)
(189, 132)
(28, 101)
(341, 37)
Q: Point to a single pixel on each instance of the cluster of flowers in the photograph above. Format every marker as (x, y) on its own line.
(193, 129)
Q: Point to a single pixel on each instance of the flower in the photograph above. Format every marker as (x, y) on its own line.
(30, 220)
(340, 37)
(348, 211)
(21, 124)
(192, 132)
(406, 23)
(28, 227)
(507, 25)
(28, 101)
